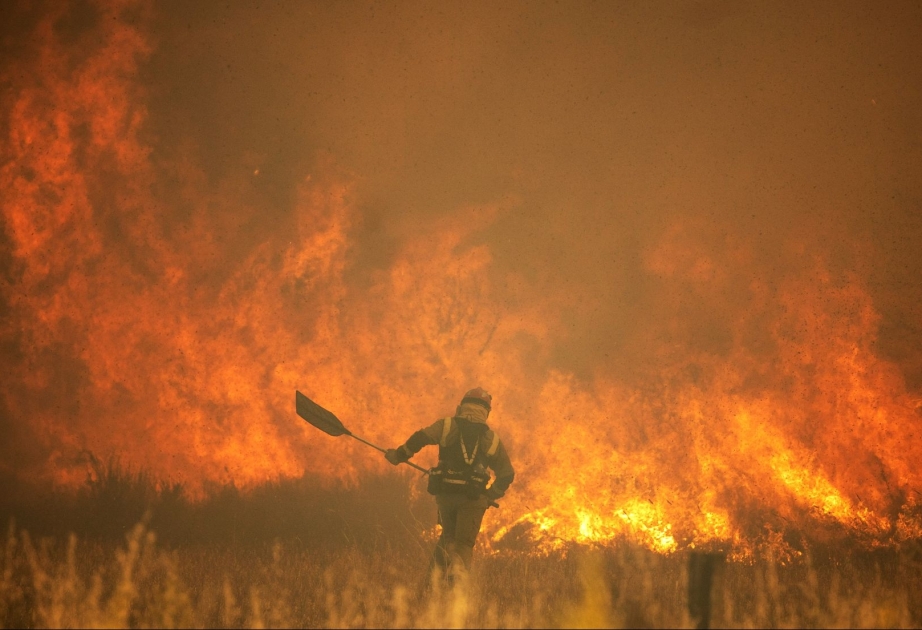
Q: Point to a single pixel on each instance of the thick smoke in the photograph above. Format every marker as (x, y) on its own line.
(601, 128)
(679, 242)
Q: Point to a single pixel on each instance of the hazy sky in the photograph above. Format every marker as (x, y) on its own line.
(595, 125)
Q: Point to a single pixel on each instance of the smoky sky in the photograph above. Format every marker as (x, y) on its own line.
(690, 139)
(595, 125)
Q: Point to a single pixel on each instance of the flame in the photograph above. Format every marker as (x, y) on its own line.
(140, 330)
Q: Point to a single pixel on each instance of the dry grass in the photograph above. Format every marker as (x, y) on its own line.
(85, 584)
(293, 554)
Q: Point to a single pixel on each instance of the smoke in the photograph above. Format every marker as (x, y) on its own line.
(673, 234)
(764, 127)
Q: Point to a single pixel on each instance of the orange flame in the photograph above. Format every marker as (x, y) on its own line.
(139, 330)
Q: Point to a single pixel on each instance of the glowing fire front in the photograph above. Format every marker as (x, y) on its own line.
(145, 322)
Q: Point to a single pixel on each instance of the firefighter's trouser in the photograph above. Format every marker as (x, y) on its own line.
(460, 517)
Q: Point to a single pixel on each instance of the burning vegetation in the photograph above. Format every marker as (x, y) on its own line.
(706, 363)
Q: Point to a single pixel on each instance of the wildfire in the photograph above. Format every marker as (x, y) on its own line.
(140, 330)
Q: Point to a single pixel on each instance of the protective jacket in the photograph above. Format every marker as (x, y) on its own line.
(467, 447)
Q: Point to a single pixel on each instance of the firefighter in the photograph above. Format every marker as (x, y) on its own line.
(467, 448)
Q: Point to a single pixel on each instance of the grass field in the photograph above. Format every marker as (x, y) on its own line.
(122, 553)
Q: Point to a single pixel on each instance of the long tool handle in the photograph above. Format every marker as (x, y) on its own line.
(411, 464)
(419, 468)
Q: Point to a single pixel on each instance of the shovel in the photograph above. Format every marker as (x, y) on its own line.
(324, 420)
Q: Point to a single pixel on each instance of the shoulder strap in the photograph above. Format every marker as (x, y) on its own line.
(446, 429)
(465, 426)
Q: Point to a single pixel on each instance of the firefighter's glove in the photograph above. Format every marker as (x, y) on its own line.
(397, 455)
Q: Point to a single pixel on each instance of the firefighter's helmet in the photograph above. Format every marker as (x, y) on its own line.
(478, 396)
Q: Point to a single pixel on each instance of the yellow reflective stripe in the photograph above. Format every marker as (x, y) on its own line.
(494, 445)
(446, 427)
(468, 460)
